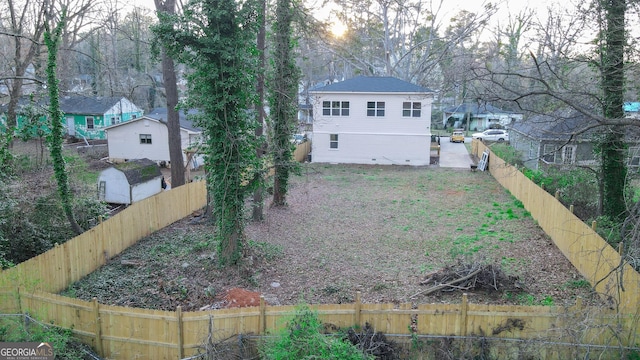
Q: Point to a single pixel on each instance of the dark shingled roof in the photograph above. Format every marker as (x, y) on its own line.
(371, 84)
(557, 126)
(161, 115)
(139, 171)
(75, 104)
(87, 105)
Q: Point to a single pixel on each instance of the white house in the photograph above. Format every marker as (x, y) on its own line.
(148, 137)
(372, 120)
(129, 182)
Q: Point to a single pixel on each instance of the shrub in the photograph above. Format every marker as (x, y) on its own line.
(508, 153)
(17, 329)
(302, 339)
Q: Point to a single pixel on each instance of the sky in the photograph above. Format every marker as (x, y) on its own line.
(450, 7)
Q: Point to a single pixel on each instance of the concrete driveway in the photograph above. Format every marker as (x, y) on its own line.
(454, 155)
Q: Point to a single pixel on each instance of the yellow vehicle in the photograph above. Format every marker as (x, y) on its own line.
(457, 136)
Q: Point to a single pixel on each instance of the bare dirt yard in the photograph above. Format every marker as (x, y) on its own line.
(389, 232)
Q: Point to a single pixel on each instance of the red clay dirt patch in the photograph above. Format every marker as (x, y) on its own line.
(237, 298)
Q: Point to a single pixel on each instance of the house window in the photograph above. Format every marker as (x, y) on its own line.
(90, 124)
(559, 155)
(532, 148)
(634, 156)
(568, 154)
(145, 138)
(333, 141)
(411, 109)
(375, 108)
(335, 108)
(549, 153)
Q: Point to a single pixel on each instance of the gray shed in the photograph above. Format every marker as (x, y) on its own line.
(129, 182)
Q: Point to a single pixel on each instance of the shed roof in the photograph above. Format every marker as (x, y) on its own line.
(369, 84)
(139, 171)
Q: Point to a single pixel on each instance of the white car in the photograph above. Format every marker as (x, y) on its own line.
(492, 135)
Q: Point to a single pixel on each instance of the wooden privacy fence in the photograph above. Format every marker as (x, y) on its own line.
(61, 266)
(125, 333)
(589, 253)
(302, 151)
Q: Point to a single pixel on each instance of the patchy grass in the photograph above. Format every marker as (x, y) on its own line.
(375, 229)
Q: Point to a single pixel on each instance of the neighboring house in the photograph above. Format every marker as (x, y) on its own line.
(480, 117)
(84, 117)
(549, 139)
(632, 110)
(148, 137)
(372, 120)
(87, 117)
(129, 182)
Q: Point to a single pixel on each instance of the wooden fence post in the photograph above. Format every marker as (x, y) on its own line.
(557, 194)
(19, 302)
(98, 327)
(571, 208)
(594, 225)
(463, 315)
(357, 308)
(621, 249)
(180, 336)
(263, 321)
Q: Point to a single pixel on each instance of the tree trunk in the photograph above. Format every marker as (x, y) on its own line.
(613, 154)
(258, 194)
(173, 122)
(283, 101)
(173, 119)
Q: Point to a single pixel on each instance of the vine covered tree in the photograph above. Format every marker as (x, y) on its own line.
(216, 40)
(611, 145)
(54, 140)
(283, 100)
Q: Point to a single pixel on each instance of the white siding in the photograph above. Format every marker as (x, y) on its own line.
(144, 190)
(124, 141)
(116, 186)
(362, 139)
(123, 106)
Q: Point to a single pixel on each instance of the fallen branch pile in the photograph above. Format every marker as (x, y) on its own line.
(373, 343)
(467, 277)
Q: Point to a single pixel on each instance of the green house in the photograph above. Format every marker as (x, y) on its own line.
(86, 117)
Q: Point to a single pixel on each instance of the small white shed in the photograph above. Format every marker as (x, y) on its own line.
(131, 181)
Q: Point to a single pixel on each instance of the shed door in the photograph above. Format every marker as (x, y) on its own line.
(71, 126)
